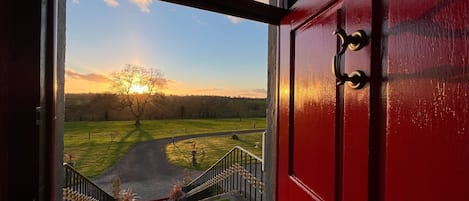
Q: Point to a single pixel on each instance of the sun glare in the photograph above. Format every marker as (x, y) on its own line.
(139, 89)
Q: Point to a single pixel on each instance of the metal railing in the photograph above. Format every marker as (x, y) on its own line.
(76, 183)
(238, 171)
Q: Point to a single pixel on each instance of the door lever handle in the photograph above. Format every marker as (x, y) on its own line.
(357, 79)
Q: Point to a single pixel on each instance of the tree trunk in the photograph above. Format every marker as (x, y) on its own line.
(137, 122)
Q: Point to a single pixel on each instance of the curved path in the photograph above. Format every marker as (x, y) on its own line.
(146, 170)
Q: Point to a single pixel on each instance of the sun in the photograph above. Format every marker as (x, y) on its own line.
(138, 89)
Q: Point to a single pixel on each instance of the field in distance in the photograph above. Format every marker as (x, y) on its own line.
(210, 149)
(94, 146)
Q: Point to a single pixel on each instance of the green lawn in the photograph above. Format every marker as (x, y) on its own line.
(215, 147)
(109, 140)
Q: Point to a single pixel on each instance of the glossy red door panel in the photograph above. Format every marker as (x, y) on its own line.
(427, 153)
(307, 105)
(323, 142)
(314, 106)
(405, 135)
(283, 115)
(311, 109)
(305, 9)
(356, 116)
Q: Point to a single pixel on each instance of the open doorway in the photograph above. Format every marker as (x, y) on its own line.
(214, 69)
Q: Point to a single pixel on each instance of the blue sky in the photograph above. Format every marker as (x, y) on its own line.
(200, 52)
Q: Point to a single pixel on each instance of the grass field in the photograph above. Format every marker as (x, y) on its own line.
(96, 146)
(215, 147)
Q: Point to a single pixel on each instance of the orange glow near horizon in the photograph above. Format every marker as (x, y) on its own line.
(85, 86)
(77, 85)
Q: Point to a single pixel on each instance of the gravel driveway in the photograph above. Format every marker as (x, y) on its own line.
(146, 170)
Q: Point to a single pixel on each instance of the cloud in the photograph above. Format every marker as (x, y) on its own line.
(198, 20)
(76, 1)
(264, 91)
(111, 3)
(88, 77)
(207, 90)
(234, 20)
(143, 5)
(180, 88)
(171, 81)
(253, 93)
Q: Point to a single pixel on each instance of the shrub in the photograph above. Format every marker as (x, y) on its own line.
(128, 195)
(176, 193)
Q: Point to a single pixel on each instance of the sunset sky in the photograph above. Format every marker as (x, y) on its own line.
(200, 52)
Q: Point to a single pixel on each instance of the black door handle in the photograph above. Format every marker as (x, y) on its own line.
(357, 79)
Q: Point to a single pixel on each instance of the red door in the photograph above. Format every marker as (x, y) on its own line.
(323, 127)
(405, 134)
(427, 100)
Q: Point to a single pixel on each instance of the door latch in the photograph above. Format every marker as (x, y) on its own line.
(354, 42)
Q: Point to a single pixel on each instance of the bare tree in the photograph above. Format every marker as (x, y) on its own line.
(136, 86)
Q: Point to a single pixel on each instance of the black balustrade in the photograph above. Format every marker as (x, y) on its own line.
(239, 172)
(78, 183)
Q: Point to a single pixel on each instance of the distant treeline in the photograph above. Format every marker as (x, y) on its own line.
(106, 107)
